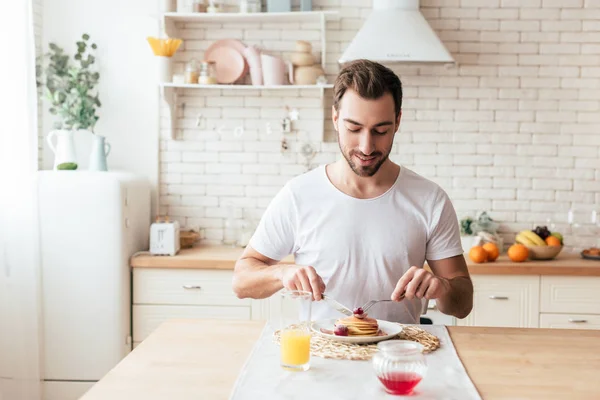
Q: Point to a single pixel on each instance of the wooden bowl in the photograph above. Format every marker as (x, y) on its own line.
(543, 252)
(187, 239)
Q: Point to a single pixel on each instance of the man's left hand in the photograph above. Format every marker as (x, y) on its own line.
(420, 283)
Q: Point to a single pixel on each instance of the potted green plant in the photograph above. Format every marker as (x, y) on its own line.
(71, 89)
(485, 230)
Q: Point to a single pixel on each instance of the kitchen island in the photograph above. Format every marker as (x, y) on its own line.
(201, 359)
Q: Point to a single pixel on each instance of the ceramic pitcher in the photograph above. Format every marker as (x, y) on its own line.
(100, 150)
(64, 150)
(276, 71)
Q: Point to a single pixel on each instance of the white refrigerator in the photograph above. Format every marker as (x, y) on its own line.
(90, 225)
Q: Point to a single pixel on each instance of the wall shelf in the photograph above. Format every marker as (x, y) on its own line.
(245, 87)
(171, 18)
(169, 91)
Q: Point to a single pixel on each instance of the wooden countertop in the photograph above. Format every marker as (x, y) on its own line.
(564, 264)
(224, 257)
(177, 361)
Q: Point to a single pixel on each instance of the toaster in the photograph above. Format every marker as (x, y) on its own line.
(164, 237)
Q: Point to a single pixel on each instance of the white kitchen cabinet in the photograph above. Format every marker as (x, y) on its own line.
(561, 302)
(504, 301)
(185, 287)
(569, 321)
(570, 294)
(64, 390)
(160, 294)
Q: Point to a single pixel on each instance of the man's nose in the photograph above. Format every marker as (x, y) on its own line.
(366, 145)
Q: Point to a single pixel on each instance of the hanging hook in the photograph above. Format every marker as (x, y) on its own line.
(200, 121)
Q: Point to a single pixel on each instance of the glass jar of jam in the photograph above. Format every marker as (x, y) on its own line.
(400, 365)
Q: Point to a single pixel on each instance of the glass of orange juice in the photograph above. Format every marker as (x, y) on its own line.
(295, 329)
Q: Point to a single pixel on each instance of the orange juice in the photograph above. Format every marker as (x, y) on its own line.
(295, 348)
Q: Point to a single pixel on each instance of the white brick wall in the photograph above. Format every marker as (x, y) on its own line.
(37, 30)
(514, 129)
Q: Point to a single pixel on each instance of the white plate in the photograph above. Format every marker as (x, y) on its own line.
(391, 329)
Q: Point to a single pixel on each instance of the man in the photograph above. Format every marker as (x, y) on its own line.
(361, 228)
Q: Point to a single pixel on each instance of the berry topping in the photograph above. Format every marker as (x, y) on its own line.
(341, 330)
(358, 311)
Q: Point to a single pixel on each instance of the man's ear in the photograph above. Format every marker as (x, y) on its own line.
(398, 120)
(334, 118)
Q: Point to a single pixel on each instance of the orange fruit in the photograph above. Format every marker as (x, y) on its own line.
(518, 252)
(492, 251)
(552, 241)
(478, 254)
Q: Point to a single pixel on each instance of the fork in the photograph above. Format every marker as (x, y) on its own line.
(371, 303)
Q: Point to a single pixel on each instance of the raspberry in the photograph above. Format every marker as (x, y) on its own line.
(341, 330)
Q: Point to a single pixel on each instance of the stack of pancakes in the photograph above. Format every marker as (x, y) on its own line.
(359, 326)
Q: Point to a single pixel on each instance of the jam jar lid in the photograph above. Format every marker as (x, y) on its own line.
(400, 348)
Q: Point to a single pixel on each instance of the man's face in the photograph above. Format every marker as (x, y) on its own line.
(366, 130)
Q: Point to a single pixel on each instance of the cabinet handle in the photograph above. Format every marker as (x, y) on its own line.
(498, 297)
(192, 287)
(577, 321)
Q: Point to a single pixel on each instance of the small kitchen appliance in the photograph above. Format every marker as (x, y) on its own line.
(164, 237)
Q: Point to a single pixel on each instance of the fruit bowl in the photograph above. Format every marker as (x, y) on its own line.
(543, 252)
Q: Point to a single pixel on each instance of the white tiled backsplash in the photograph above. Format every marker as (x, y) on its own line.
(514, 129)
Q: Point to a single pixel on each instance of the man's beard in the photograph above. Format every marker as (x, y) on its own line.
(363, 171)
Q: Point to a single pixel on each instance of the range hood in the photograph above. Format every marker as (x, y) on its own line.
(396, 31)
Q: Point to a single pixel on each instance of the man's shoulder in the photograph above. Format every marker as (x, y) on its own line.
(415, 182)
(306, 180)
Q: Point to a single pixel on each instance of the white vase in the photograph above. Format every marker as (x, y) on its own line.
(165, 69)
(100, 150)
(64, 150)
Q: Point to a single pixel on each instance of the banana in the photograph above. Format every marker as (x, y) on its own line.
(538, 241)
(522, 239)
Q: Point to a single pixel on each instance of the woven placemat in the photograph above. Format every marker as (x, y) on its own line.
(326, 348)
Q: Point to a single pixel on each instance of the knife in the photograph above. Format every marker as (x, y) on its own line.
(337, 306)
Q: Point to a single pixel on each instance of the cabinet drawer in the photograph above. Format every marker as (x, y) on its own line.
(184, 287)
(64, 390)
(147, 318)
(504, 301)
(570, 294)
(570, 321)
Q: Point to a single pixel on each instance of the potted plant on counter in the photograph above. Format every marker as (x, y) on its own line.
(485, 230)
(70, 88)
(477, 232)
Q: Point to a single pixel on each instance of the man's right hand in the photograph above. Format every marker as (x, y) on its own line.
(298, 277)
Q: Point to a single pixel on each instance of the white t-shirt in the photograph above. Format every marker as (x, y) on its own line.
(360, 247)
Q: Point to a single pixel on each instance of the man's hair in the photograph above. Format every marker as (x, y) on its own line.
(370, 80)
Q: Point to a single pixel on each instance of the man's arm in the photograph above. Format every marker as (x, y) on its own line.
(458, 301)
(449, 284)
(257, 276)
